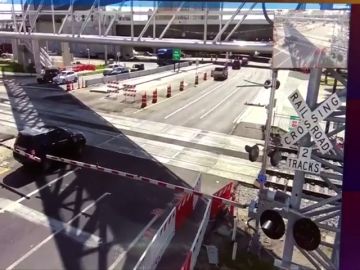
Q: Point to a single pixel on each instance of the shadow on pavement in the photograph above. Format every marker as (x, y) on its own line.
(115, 219)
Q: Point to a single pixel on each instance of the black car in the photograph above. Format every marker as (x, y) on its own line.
(236, 64)
(50, 140)
(137, 67)
(48, 75)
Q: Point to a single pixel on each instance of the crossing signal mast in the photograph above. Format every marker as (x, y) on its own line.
(319, 155)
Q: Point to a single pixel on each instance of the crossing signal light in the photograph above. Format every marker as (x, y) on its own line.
(267, 84)
(272, 224)
(306, 234)
(253, 152)
(275, 157)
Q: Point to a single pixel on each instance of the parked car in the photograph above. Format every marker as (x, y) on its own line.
(220, 73)
(49, 140)
(66, 76)
(236, 64)
(137, 67)
(115, 71)
(48, 75)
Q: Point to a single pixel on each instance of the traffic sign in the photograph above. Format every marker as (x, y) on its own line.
(176, 54)
(294, 122)
(304, 162)
(310, 121)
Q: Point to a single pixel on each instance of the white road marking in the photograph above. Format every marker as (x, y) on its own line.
(34, 249)
(196, 100)
(217, 105)
(39, 189)
(132, 244)
(39, 218)
(237, 119)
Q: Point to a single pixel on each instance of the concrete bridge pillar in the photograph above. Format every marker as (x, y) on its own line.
(66, 54)
(36, 54)
(127, 52)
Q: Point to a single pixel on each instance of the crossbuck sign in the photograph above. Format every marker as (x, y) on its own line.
(310, 121)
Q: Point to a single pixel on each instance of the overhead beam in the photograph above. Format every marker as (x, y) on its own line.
(239, 47)
(171, 20)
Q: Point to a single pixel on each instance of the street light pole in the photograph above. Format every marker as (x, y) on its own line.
(262, 174)
(88, 51)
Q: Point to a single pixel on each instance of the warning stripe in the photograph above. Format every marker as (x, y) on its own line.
(131, 176)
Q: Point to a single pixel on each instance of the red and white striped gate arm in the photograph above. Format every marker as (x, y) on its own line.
(130, 176)
(144, 179)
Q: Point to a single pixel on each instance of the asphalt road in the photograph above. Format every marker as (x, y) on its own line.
(212, 105)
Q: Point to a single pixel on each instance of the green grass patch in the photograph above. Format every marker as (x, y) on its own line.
(6, 66)
(100, 66)
(91, 72)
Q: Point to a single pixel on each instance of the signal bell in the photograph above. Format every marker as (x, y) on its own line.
(272, 224)
(306, 234)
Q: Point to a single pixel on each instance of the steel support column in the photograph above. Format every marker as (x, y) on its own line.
(132, 19)
(296, 193)
(205, 23)
(53, 17)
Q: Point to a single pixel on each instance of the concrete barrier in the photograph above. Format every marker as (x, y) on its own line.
(132, 75)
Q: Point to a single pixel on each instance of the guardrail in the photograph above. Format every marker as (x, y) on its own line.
(154, 251)
(193, 253)
(131, 75)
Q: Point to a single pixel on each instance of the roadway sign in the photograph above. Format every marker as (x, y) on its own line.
(304, 162)
(176, 54)
(294, 122)
(310, 121)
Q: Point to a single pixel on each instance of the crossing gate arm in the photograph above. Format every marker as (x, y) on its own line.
(131, 176)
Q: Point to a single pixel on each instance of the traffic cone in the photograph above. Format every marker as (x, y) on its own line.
(205, 76)
(181, 86)
(168, 94)
(196, 79)
(68, 87)
(154, 97)
(143, 101)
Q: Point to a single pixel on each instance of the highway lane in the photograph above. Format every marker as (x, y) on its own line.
(210, 106)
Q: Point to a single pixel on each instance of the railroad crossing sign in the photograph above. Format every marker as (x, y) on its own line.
(304, 162)
(176, 54)
(310, 121)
